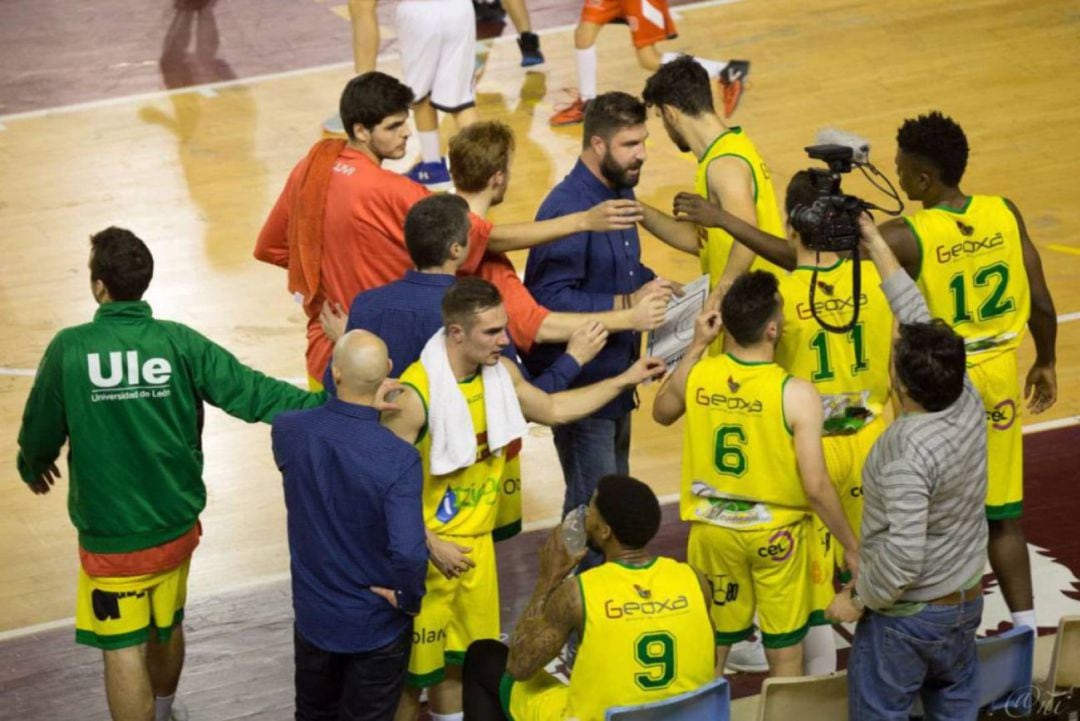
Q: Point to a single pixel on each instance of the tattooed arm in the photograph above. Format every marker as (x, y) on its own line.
(553, 611)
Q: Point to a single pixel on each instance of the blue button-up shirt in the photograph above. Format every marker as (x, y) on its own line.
(407, 312)
(582, 273)
(355, 520)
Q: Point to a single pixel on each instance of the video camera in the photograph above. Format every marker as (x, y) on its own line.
(831, 222)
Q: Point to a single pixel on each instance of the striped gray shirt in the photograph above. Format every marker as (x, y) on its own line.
(924, 489)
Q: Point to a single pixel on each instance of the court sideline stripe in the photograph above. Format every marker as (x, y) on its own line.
(540, 525)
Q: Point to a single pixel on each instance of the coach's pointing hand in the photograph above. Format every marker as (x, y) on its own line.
(613, 215)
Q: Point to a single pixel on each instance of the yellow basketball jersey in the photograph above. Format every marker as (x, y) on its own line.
(739, 467)
(716, 243)
(850, 370)
(465, 502)
(972, 272)
(647, 637)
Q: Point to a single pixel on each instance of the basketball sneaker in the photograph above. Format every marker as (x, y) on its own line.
(747, 657)
(529, 44)
(334, 125)
(436, 176)
(571, 114)
(732, 80)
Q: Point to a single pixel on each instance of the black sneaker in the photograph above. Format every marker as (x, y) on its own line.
(529, 43)
(489, 11)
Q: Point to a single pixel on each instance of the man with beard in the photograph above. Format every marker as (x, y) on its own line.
(730, 172)
(591, 272)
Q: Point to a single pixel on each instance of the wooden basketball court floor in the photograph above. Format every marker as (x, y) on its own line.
(194, 170)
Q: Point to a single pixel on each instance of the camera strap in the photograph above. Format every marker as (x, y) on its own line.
(856, 292)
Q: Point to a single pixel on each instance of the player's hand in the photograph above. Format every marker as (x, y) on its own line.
(451, 559)
(707, 327)
(692, 208)
(851, 563)
(43, 484)
(842, 609)
(650, 310)
(387, 392)
(1040, 388)
(666, 288)
(618, 214)
(643, 370)
(587, 341)
(870, 238)
(716, 295)
(556, 562)
(332, 318)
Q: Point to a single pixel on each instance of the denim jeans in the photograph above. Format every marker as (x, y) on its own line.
(588, 450)
(930, 654)
(364, 686)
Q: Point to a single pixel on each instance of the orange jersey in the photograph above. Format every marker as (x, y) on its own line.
(524, 312)
(649, 20)
(363, 237)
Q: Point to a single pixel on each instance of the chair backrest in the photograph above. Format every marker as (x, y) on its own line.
(1065, 663)
(1005, 663)
(711, 702)
(806, 698)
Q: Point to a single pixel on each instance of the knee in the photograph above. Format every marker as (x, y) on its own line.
(584, 37)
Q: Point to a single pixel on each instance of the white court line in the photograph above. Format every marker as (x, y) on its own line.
(540, 525)
(209, 89)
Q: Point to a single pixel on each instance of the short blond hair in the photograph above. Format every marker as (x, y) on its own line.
(479, 151)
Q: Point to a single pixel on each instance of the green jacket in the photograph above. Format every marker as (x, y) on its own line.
(128, 391)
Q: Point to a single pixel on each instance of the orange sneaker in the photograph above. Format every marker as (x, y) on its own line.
(731, 84)
(571, 114)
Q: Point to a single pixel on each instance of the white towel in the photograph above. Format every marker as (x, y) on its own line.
(453, 438)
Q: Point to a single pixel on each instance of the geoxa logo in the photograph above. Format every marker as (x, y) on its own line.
(829, 305)
(614, 609)
(125, 368)
(731, 403)
(781, 544)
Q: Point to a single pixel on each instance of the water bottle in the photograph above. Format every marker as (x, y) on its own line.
(573, 530)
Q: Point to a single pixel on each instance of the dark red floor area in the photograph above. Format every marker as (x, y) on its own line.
(57, 52)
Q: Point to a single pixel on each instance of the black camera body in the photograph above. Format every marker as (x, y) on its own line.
(831, 222)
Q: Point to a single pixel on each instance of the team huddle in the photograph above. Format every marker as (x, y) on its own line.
(428, 355)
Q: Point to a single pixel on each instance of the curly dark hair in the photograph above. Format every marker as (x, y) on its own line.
(940, 141)
(683, 84)
(931, 361)
(630, 508)
(748, 306)
(371, 98)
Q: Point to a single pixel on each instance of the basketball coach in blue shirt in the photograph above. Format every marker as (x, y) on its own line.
(356, 541)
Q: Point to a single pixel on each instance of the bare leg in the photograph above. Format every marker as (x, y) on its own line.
(409, 706)
(519, 15)
(721, 659)
(365, 34)
(445, 696)
(466, 117)
(785, 661)
(1009, 559)
(585, 35)
(127, 684)
(165, 661)
(427, 119)
(648, 57)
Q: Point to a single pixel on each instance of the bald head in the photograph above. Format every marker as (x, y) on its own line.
(360, 364)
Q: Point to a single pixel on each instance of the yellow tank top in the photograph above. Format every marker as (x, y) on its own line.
(972, 272)
(716, 243)
(465, 502)
(647, 637)
(849, 370)
(739, 467)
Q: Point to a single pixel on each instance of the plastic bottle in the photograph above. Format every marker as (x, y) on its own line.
(573, 530)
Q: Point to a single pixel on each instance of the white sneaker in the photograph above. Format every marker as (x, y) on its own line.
(747, 657)
(179, 711)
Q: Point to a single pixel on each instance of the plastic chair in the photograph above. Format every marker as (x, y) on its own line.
(1064, 662)
(711, 702)
(806, 698)
(1005, 663)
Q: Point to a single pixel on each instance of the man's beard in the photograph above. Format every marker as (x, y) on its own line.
(617, 175)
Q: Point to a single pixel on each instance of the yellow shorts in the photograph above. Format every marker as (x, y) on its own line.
(844, 459)
(767, 571)
(454, 613)
(540, 698)
(999, 386)
(112, 613)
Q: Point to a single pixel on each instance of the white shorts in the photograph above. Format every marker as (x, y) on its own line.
(438, 51)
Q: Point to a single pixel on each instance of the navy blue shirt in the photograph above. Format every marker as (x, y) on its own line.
(407, 312)
(355, 519)
(582, 273)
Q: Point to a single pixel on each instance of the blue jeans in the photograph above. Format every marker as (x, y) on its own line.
(931, 654)
(588, 450)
